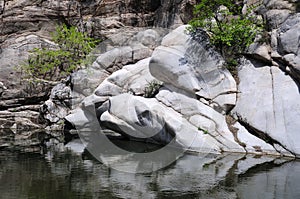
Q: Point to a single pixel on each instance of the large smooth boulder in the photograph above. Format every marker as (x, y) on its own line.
(215, 124)
(132, 78)
(189, 63)
(151, 120)
(269, 102)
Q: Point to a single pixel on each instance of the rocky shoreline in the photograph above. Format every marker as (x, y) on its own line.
(159, 84)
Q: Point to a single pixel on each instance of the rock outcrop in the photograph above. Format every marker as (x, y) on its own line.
(107, 75)
(156, 85)
(270, 80)
(189, 64)
(288, 45)
(201, 93)
(96, 16)
(269, 103)
(26, 25)
(188, 109)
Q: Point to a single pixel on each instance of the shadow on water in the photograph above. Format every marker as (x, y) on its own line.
(71, 172)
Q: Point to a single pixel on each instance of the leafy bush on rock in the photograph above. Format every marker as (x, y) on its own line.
(54, 64)
(229, 30)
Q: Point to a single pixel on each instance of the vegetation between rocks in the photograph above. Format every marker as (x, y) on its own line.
(72, 49)
(205, 132)
(229, 30)
(152, 89)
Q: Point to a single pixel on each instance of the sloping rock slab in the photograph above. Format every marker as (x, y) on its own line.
(190, 64)
(269, 103)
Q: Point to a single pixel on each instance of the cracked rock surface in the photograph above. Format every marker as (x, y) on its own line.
(269, 100)
(188, 108)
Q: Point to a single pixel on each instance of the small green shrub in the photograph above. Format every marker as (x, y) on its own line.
(152, 89)
(205, 132)
(53, 64)
(229, 30)
(73, 41)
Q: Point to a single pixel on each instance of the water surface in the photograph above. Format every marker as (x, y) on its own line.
(70, 172)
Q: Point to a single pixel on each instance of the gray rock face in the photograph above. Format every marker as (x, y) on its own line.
(63, 99)
(134, 78)
(289, 35)
(268, 99)
(194, 67)
(127, 49)
(288, 44)
(20, 119)
(206, 119)
(112, 74)
(19, 99)
(147, 119)
(171, 117)
(85, 81)
(269, 102)
(275, 11)
(13, 54)
(96, 17)
(131, 78)
(252, 143)
(283, 49)
(188, 69)
(26, 25)
(144, 116)
(197, 90)
(57, 107)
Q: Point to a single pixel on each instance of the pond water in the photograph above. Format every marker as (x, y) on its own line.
(70, 172)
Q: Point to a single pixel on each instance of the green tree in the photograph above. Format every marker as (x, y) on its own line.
(229, 30)
(54, 64)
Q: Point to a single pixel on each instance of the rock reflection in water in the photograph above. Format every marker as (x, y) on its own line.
(63, 172)
(130, 156)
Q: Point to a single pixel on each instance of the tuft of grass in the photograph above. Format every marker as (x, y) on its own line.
(205, 132)
(152, 89)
